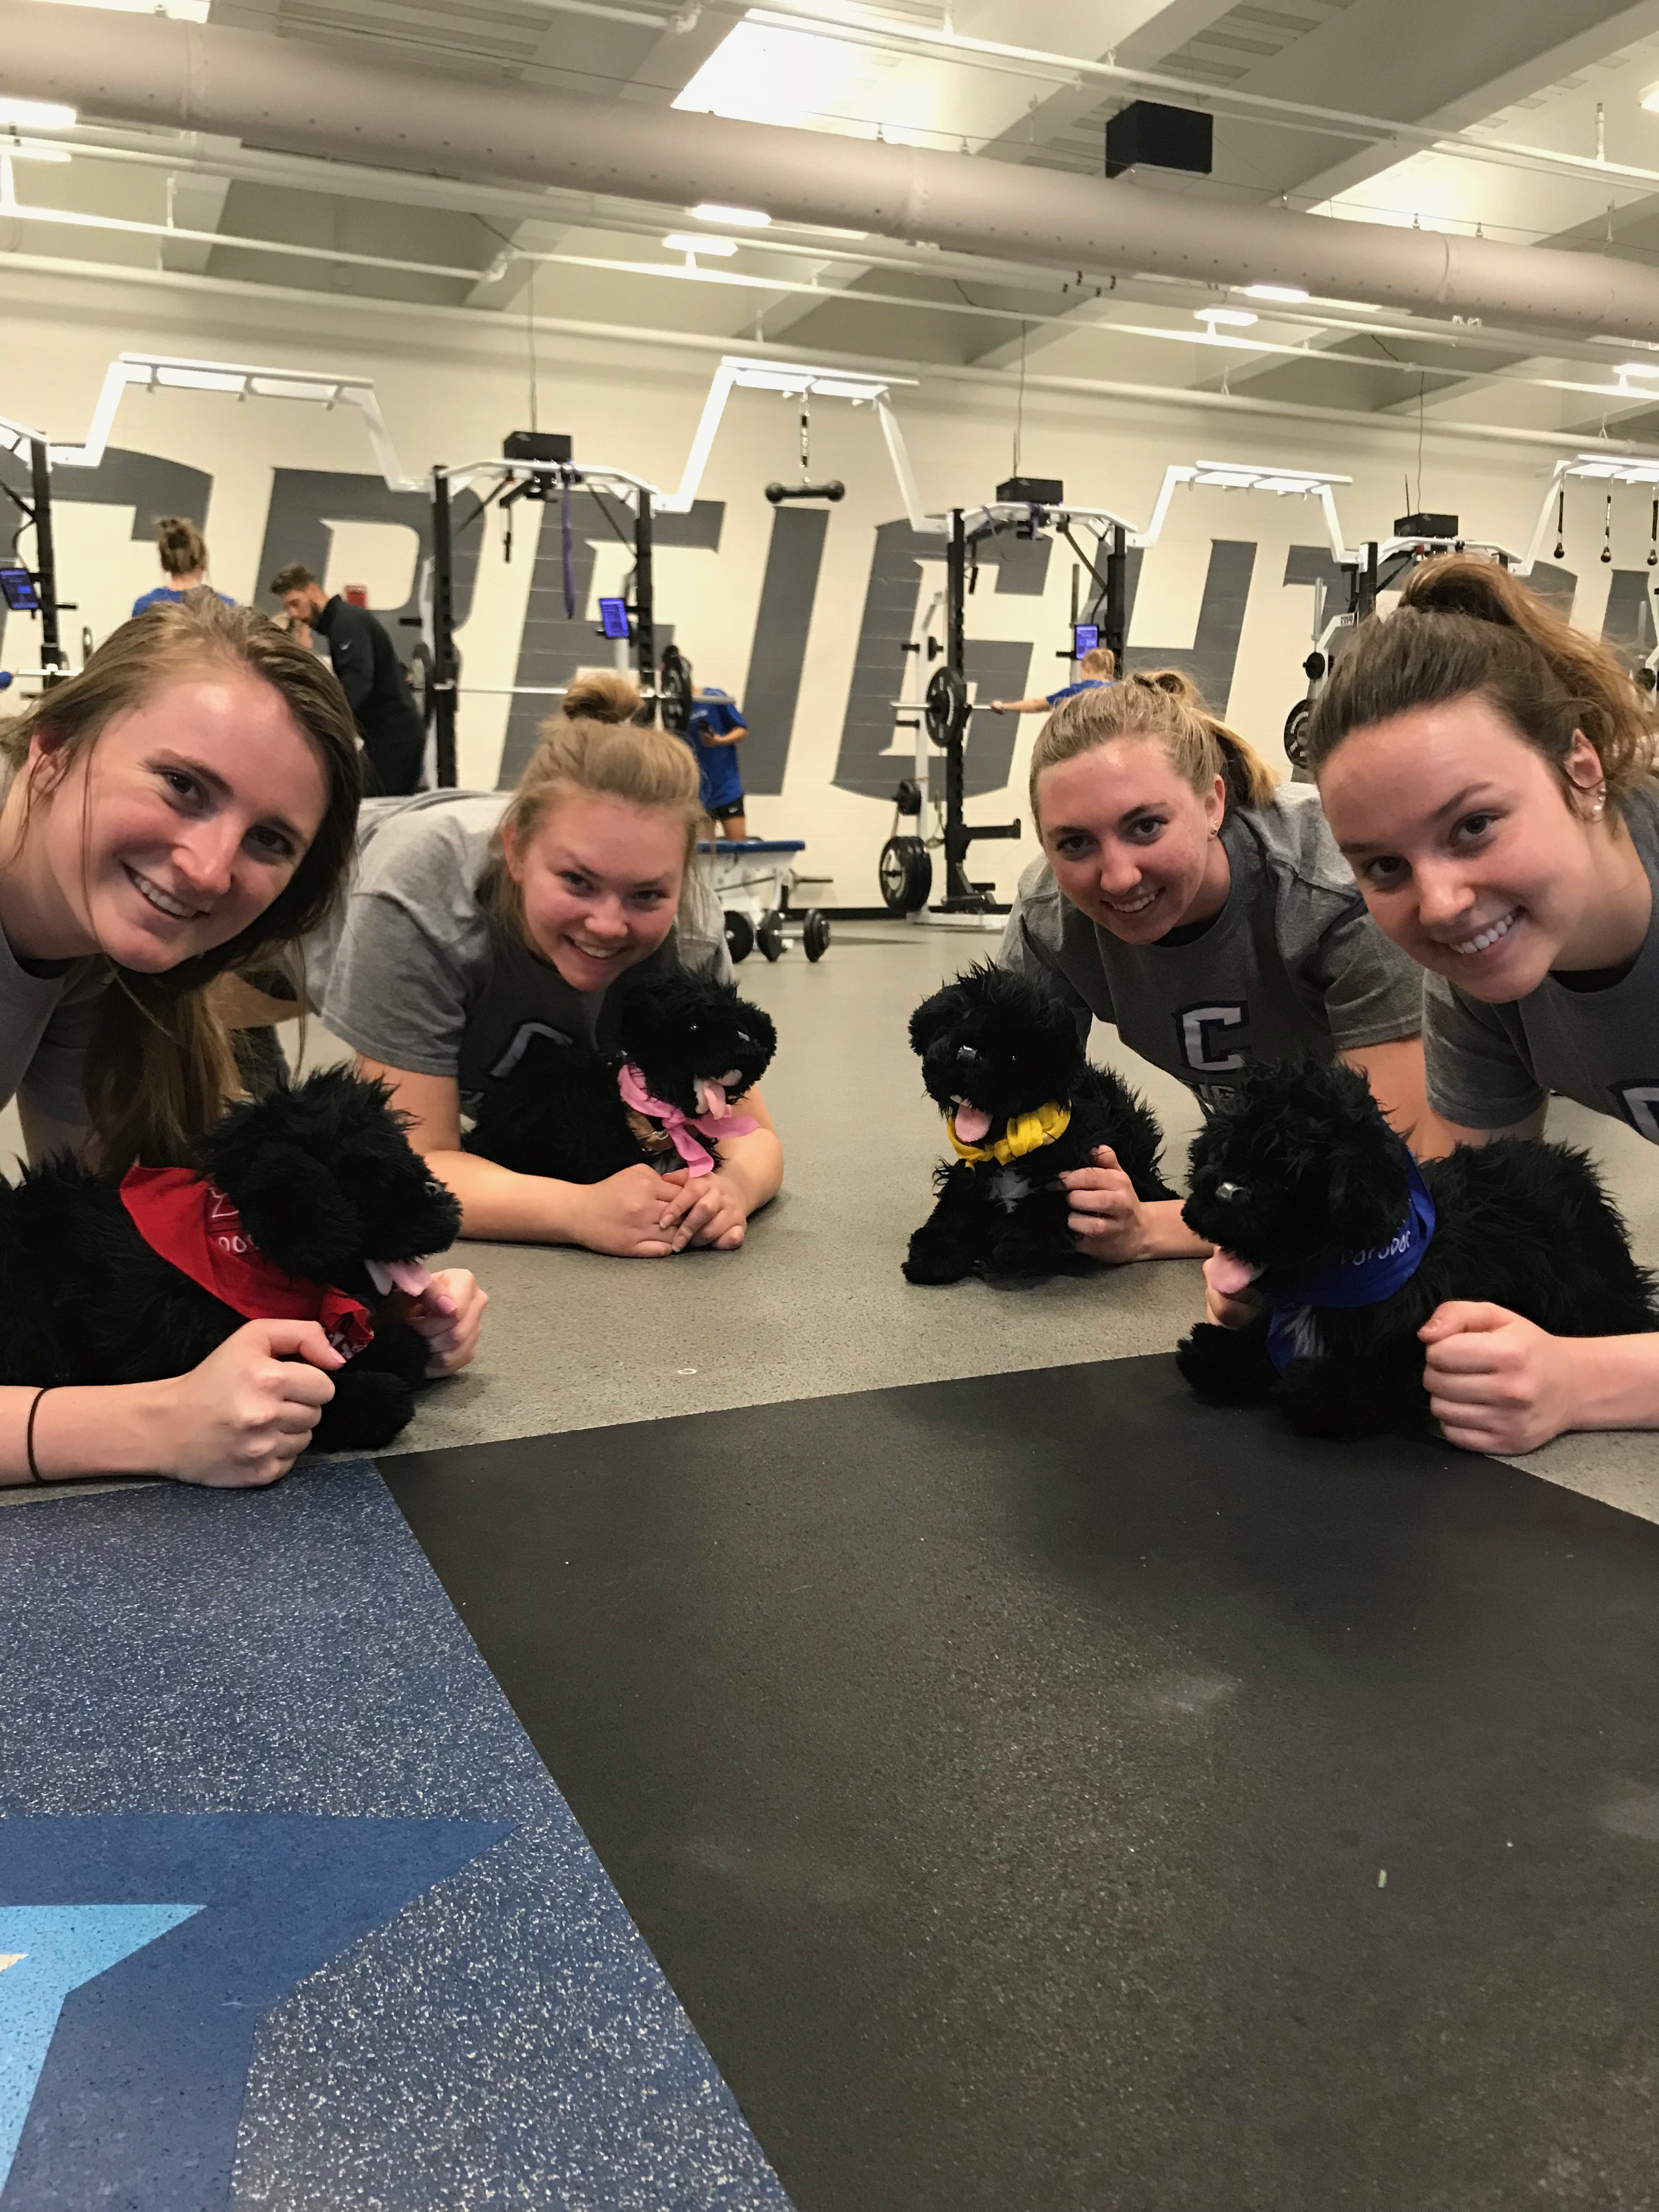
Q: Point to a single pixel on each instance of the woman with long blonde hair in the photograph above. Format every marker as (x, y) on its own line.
(183, 807)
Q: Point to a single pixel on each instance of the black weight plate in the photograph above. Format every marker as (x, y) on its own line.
(674, 691)
(946, 705)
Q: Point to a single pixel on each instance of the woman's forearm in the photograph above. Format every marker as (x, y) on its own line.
(1166, 1236)
(114, 1429)
(504, 1207)
(1617, 1382)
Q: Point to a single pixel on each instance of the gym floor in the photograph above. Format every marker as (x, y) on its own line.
(772, 1735)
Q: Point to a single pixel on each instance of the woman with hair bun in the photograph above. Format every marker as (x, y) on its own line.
(1207, 913)
(481, 919)
(1489, 771)
(183, 556)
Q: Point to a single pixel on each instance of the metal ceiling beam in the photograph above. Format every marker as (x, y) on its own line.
(279, 92)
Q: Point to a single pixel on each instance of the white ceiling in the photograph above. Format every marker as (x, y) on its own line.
(1534, 104)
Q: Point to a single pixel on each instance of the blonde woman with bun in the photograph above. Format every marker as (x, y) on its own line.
(1489, 771)
(183, 556)
(1187, 898)
(481, 919)
(1096, 669)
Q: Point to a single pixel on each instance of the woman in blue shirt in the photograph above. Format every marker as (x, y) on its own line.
(716, 730)
(1096, 669)
(183, 554)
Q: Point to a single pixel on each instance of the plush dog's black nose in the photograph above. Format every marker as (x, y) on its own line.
(966, 1052)
(1226, 1191)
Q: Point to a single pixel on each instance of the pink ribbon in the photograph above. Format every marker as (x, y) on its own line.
(679, 1124)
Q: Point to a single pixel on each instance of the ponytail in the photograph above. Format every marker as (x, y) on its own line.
(1466, 628)
(1169, 706)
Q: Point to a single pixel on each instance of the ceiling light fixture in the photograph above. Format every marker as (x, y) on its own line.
(1649, 98)
(734, 217)
(35, 114)
(1236, 318)
(1291, 295)
(695, 241)
(1638, 369)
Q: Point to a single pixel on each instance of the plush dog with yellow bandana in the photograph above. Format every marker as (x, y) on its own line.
(1022, 1105)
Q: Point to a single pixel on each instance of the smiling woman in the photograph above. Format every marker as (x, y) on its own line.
(479, 923)
(185, 804)
(1490, 773)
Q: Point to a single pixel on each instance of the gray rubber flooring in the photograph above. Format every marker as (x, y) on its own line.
(814, 1304)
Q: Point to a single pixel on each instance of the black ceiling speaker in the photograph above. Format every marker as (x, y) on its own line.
(535, 446)
(1147, 135)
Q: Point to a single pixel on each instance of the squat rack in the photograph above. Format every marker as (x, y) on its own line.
(513, 479)
(39, 583)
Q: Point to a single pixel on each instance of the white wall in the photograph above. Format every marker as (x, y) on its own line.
(450, 389)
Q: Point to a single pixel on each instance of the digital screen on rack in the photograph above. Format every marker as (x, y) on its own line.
(613, 618)
(17, 590)
(1085, 637)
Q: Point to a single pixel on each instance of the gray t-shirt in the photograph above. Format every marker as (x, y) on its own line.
(417, 974)
(1489, 1066)
(1293, 963)
(45, 1025)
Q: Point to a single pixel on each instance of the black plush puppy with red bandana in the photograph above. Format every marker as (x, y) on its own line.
(309, 1204)
(1022, 1106)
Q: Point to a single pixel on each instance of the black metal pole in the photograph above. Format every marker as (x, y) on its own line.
(956, 884)
(645, 606)
(52, 659)
(1117, 594)
(446, 671)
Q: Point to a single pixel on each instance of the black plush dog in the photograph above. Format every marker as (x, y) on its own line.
(310, 1203)
(1023, 1104)
(688, 1047)
(1319, 1209)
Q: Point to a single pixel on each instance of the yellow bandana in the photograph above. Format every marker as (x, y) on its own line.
(1026, 1133)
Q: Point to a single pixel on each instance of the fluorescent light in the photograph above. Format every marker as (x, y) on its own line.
(1291, 295)
(1638, 369)
(696, 242)
(1649, 98)
(734, 217)
(1236, 318)
(35, 114)
(31, 150)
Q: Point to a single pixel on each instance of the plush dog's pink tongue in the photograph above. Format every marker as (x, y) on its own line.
(970, 1123)
(411, 1277)
(714, 1101)
(1226, 1272)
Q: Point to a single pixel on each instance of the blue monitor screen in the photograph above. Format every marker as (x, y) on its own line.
(1086, 638)
(17, 589)
(613, 618)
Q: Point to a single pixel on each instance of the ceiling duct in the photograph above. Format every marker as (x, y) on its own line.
(284, 94)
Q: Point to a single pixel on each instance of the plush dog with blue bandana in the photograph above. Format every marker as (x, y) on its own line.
(1022, 1105)
(1321, 1217)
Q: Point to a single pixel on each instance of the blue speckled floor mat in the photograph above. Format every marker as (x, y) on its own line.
(291, 1915)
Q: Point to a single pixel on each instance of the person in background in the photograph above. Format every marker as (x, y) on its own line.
(372, 676)
(714, 732)
(1096, 669)
(183, 556)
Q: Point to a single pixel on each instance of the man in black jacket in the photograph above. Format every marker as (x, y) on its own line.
(366, 661)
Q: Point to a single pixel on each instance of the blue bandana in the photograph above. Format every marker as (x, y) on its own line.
(1366, 1280)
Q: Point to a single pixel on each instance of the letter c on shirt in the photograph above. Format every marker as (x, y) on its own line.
(1640, 1102)
(1198, 1047)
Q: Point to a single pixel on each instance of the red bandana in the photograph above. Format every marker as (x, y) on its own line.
(185, 1218)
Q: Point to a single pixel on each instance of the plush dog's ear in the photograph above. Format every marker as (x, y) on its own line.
(296, 1212)
(933, 1017)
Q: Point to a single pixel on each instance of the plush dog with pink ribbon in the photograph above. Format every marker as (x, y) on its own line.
(687, 1050)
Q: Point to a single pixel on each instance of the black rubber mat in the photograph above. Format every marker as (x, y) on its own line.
(1049, 1795)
